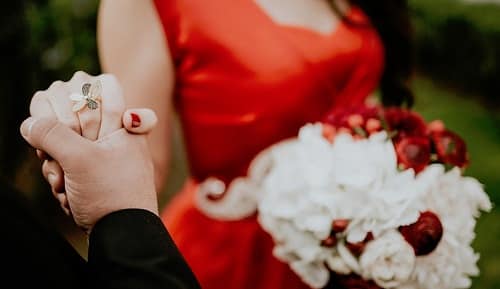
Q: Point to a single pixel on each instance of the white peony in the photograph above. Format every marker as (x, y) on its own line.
(449, 266)
(458, 201)
(388, 260)
(360, 165)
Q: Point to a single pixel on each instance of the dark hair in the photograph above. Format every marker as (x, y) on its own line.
(391, 19)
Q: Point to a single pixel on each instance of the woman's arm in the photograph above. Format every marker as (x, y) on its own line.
(133, 47)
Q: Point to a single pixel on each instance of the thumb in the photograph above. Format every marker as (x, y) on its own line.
(139, 120)
(53, 137)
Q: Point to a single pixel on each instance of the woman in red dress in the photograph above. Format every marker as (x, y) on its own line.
(243, 75)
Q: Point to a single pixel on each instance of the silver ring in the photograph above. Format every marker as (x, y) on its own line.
(90, 96)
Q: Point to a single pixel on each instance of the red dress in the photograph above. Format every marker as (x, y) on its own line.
(243, 83)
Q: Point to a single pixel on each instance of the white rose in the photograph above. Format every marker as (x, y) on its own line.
(388, 260)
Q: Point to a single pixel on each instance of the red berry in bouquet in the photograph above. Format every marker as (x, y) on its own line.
(339, 225)
(373, 125)
(357, 248)
(355, 120)
(425, 234)
(450, 148)
(413, 152)
(404, 123)
(353, 116)
(436, 126)
(331, 241)
(329, 132)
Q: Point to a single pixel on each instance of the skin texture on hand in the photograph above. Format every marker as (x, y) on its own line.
(113, 173)
(99, 127)
(55, 103)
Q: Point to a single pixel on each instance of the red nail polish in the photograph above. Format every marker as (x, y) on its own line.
(136, 120)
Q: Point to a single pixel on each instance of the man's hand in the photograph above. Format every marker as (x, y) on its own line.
(113, 173)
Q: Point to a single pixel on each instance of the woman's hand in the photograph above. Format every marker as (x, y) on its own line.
(95, 124)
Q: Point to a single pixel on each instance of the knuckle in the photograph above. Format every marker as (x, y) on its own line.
(58, 84)
(38, 101)
(39, 95)
(80, 76)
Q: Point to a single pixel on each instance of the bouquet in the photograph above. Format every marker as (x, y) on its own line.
(371, 198)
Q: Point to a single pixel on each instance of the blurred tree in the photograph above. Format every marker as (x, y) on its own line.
(16, 83)
(62, 34)
(41, 41)
(460, 45)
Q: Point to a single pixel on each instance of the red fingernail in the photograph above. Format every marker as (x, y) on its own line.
(136, 120)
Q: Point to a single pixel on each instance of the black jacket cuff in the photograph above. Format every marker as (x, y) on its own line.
(132, 249)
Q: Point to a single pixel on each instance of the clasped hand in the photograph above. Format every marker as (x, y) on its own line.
(96, 160)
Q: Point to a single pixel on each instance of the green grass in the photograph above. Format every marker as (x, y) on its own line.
(480, 129)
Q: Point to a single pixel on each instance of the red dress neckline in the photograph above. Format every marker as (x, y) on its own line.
(265, 17)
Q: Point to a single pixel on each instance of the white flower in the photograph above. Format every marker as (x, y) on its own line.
(447, 267)
(363, 164)
(315, 274)
(457, 200)
(388, 260)
(302, 184)
(393, 204)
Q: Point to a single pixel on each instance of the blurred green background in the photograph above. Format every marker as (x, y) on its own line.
(457, 80)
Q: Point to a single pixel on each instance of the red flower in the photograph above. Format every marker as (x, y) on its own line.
(351, 281)
(450, 148)
(357, 248)
(425, 234)
(339, 225)
(329, 242)
(340, 117)
(404, 122)
(414, 152)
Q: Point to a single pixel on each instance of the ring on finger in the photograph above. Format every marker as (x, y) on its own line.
(90, 96)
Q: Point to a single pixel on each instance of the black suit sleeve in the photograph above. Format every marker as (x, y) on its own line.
(132, 249)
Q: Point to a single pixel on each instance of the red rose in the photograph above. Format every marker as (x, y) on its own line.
(450, 148)
(351, 281)
(414, 152)
(404, 122)
(425, 234)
